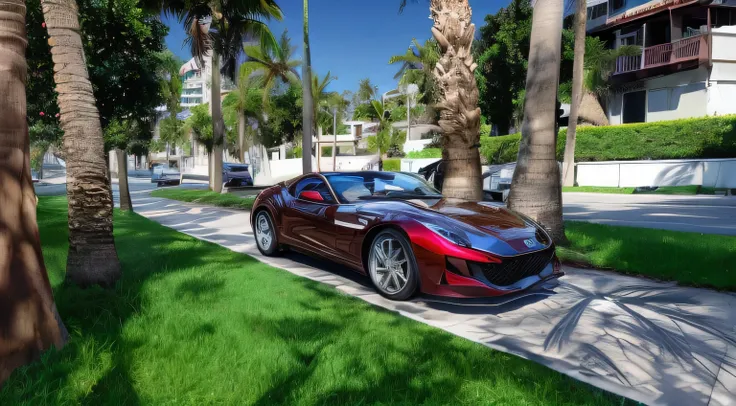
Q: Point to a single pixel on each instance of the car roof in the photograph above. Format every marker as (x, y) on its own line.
(360, 173)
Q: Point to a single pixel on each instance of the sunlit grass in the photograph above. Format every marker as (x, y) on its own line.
(205, 197)
(194, 323)
(689, 258)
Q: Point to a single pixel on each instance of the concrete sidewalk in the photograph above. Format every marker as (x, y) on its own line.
(650, 341)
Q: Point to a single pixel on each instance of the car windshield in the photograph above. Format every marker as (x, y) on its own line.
(353, 187)
(236, 168)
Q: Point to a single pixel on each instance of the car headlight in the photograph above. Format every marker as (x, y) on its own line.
(447, 234)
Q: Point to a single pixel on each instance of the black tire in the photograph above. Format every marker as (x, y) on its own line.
(412, 271)
(271, 247)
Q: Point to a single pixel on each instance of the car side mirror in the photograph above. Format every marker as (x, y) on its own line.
(311, 195)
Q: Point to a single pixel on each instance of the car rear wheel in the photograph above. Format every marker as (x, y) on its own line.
(392, 266)
(265, 233)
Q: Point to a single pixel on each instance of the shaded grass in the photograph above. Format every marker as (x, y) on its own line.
(205, 197)
(663, 190)
(194, 323)
(688, 258)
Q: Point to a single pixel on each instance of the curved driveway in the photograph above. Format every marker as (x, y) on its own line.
(650, 341)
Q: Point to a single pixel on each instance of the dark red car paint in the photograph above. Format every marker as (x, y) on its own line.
(318, 228)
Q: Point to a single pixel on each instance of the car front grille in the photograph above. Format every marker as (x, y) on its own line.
(512, 269)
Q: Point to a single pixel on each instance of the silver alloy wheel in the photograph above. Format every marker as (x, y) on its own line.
(264, 234)
(388, 265)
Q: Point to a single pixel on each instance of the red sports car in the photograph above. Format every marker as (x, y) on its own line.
(405, 235)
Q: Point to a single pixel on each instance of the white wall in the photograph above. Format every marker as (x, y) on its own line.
(670, 97)
(415, 145)
(414, 165)
(722, 89)
(676, 172)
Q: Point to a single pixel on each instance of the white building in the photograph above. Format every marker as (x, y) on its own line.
(687, 66)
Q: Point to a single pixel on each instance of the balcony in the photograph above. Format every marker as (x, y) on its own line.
(683, 54)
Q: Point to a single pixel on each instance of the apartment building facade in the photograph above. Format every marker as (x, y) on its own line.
(687, 64)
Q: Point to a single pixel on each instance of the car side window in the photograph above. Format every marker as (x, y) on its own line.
(315, 184)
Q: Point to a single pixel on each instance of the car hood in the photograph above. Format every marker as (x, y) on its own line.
(487, 226)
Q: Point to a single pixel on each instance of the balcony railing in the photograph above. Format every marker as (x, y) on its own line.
(660, 55)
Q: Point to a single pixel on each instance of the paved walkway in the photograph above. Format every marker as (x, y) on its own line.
(653, 342)
(698, 214)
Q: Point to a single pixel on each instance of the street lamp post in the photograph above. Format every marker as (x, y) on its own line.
(408, 116)
(334, 138)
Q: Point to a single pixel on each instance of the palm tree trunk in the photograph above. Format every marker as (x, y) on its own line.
(241, 136)
(29, 321)
(568, 167)
(92, 256)
(591, 110)
(308, 104)
(459, 112)
(125, 202)
(218, 127)
(535, 187)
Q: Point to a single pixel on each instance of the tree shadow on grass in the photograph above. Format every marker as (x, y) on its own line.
(95, 367)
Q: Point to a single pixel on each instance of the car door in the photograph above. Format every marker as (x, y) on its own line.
(308, 218)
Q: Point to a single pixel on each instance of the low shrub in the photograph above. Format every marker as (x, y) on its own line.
(392, 164)
(425, 153)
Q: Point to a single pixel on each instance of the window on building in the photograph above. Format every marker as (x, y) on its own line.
(722, 16)
(617, 5)
(597, 11)
(635, 104)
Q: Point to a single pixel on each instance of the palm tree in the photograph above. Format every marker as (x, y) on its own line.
(30, 322)
(246, 102)
(92, 256)
(308, 101)
(458, 99)
(535, 188)
(568, 167)
(218, 28)
(385, 137)
(274, 63)
(416, 68)
(367, 91)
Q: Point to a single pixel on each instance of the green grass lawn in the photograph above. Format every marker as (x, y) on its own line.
(689, 258)
(664, 190)
(194, 323)
(205, 197)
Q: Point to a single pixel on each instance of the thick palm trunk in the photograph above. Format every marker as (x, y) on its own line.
(218, 127)
(535, 187)
(29, 322)
(92, 256)
(308, 104)
(122, 158)
(591, 110)
(459, 112)
(241, 136)
(568, 167)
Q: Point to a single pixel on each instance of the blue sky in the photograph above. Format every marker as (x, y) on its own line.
(352, 39)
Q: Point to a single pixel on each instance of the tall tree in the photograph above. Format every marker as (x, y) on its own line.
(307, 100)
(367, 91)
(568, 167)
(29, 321)
(416, 68)
(217, 29)
(92, 257)
(458, 98)
(243, 104)
(535, 188)
(274, 62)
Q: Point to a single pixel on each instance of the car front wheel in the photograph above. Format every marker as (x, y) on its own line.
(265, 233)
(392, 266)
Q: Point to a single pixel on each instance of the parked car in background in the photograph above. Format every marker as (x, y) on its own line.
(162, 175)
(500, 179)
(234, 174)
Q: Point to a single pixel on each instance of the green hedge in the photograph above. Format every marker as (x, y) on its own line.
(425, 153)
(708, 137)
(392, 164)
